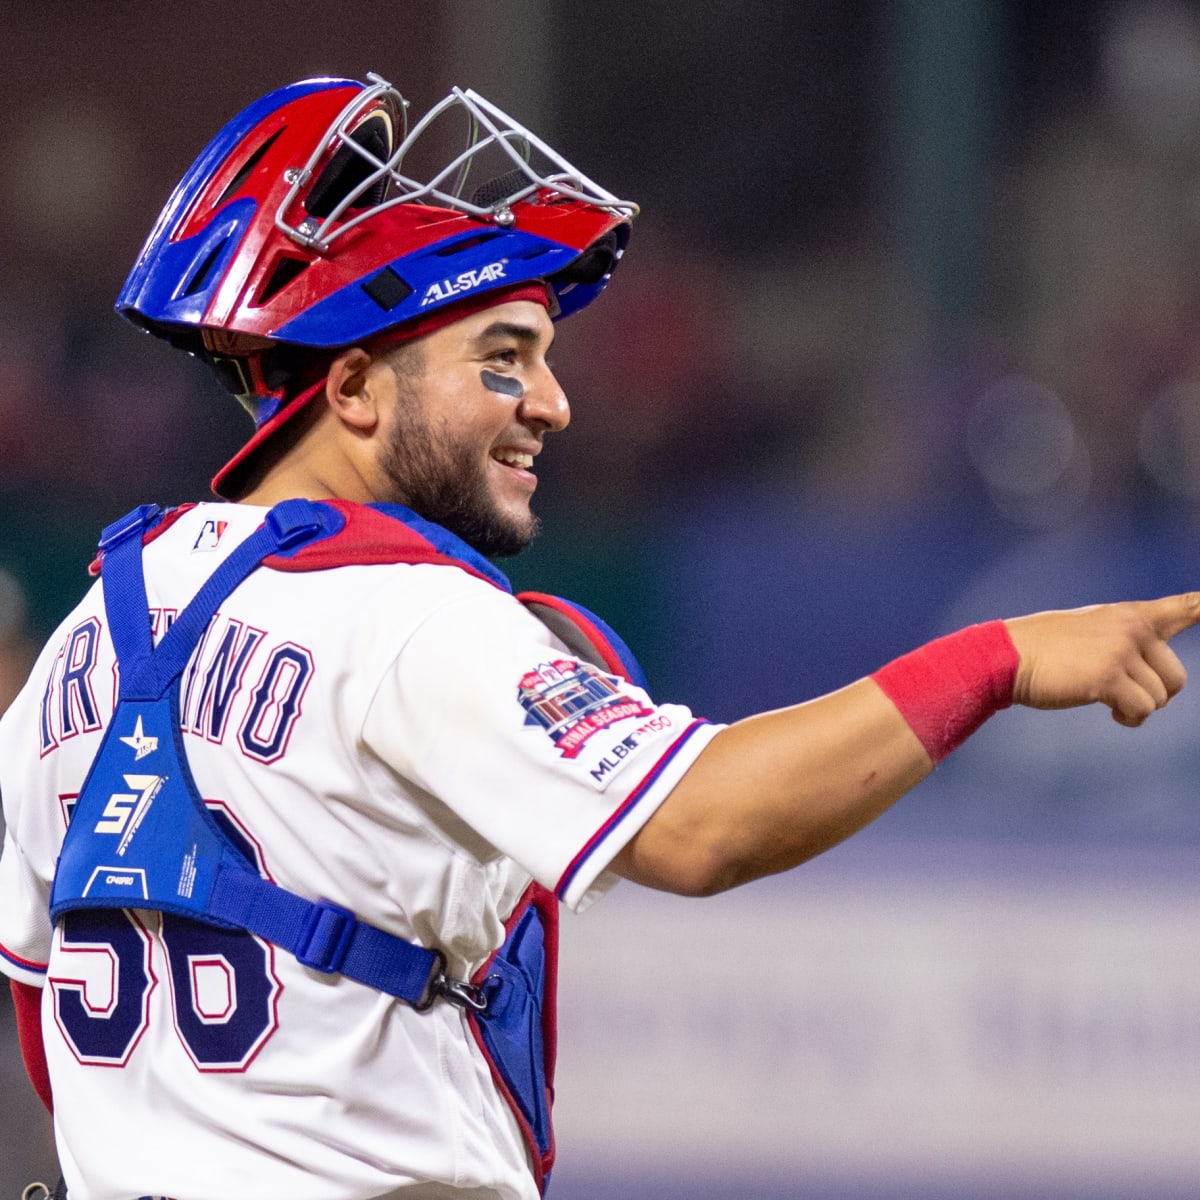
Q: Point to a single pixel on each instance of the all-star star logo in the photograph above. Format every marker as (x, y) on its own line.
(142, 745)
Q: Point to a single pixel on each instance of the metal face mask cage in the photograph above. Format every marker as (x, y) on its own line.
(492, 134)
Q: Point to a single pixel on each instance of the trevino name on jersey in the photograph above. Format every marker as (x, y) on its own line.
(405, 740)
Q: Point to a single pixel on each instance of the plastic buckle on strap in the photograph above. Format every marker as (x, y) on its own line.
(293, 522)
(131, 523)
(325, 938)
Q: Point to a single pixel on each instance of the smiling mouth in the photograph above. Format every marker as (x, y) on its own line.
(514, 458)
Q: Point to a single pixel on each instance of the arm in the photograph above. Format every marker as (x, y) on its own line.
(774, 790)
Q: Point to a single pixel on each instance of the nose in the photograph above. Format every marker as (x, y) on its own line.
(544, 403)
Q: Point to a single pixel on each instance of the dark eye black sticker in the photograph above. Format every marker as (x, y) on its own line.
(506, 385)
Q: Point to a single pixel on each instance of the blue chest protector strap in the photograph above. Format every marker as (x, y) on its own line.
(141, 836)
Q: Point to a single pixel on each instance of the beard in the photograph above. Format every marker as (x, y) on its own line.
(440, 480)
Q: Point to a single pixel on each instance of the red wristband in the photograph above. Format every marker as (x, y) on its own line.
(947, 688)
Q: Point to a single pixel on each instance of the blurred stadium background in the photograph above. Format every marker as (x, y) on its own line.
(909, 336)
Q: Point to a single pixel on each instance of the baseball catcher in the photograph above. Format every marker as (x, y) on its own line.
(294, 794)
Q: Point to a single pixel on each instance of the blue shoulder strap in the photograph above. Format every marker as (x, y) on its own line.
(141, 836)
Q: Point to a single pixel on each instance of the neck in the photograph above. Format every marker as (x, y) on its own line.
(315, 468)
(280, 486)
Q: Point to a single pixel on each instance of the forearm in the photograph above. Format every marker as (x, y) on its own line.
(776, 789)
(770, 792)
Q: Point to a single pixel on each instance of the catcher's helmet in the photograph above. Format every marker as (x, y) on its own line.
(301, 229)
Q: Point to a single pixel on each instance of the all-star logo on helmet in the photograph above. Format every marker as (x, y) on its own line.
(465, 281)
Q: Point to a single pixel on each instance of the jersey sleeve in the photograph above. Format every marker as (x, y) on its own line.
(553, 761)
(25, 929)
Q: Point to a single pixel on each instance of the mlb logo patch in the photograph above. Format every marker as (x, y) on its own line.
(572, 701)
(209, 537)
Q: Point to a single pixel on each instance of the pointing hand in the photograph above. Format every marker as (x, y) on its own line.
(1113, 654)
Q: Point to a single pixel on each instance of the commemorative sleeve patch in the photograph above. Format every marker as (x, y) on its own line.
(577, 705)
(573, 701)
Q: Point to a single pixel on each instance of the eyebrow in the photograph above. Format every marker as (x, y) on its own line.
(511, 329)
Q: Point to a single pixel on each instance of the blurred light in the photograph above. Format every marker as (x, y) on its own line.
(1150, 68)
(12, 606)
(1022, 440)
(66, 168)
(1169, 438)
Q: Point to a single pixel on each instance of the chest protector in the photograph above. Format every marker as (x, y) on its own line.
(140, 835)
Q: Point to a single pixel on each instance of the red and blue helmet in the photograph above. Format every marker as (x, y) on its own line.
(318, 219)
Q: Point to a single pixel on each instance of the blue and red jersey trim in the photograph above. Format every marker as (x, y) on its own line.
(365, 534)
(602, 834)
(25, 963)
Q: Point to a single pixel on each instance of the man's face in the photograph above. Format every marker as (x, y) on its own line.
(468, 422)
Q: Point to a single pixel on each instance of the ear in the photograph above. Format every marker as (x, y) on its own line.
(350, 391)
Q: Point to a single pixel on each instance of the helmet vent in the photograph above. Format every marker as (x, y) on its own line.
(198, 281)
(387, 289)
(349, 168)
(466, 243)
(244, 173)
(286, 269)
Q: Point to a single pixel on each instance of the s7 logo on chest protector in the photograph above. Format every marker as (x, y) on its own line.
(125, 810)
(572, 701)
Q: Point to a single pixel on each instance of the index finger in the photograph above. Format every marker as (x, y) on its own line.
(1173, 614)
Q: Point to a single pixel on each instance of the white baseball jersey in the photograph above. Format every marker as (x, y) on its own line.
(404, 740)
